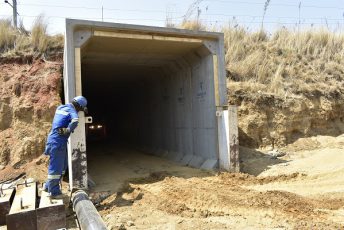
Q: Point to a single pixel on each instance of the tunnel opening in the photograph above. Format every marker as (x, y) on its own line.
(150, 90)
(148, 96)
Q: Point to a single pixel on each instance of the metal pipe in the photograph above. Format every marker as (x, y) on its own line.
(88, 216)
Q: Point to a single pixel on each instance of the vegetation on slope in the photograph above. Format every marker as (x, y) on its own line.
(19, 42)
(287, 63)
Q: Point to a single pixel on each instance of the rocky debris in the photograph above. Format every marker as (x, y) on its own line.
(276, 153)
(98, 197)
(119, 226)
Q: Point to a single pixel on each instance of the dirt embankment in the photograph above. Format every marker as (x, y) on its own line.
(290, 192)
(266, 120)
(29, 95)
(216, 202)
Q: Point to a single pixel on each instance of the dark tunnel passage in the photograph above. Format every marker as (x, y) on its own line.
(141, 92)
(117, 103)
(121, 105)
(149, 96)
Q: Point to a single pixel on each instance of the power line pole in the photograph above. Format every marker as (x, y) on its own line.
(15, 12)
(15, 22)
(299, 17)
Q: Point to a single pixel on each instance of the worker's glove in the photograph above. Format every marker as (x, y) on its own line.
(63, 131)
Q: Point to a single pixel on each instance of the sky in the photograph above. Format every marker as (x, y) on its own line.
(214, 13)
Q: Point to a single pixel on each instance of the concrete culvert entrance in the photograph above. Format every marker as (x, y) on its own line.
(153, 90)
(130, 84)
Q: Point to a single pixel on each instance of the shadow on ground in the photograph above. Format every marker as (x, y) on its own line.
(254, 162)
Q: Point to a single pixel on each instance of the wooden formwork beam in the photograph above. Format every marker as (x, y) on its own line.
(6, 199)
(22, 215)
(51, 213)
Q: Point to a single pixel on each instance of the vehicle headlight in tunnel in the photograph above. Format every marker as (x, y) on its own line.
(99, 126)
(91, 127)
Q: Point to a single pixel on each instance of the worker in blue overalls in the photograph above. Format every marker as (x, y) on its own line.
(65, 121)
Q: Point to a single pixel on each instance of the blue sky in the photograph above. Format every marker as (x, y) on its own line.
(328, 13)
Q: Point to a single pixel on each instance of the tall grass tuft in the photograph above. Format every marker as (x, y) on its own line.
(16, 42)
(192, 25)
(266, 5)
(39, 39)
(7, 35)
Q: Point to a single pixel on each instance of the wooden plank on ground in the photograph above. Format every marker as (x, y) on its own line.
(22, 215)
(6, 198)
(51, 213)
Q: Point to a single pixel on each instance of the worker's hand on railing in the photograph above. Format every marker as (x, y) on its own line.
(63, 131)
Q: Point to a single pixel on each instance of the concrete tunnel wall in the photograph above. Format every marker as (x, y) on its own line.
(184, 95)
(180, 123)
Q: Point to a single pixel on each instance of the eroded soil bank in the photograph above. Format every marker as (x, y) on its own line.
(266, 120)
(29, 95)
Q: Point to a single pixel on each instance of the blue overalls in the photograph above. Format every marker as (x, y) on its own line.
(56, 147)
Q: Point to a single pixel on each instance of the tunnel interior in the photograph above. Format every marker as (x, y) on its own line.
(152, 95)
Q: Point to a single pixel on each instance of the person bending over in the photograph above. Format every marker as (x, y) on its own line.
(65, 121)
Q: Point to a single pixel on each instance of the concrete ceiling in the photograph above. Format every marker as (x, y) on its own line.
(134, 51)
(106, 73)
(106, 58)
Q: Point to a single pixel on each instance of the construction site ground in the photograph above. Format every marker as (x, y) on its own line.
(303, 189)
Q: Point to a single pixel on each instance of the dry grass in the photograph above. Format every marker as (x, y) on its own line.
(7, 35)
(39, 38)
(309, 62)
(192, 25)
(21, 42)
